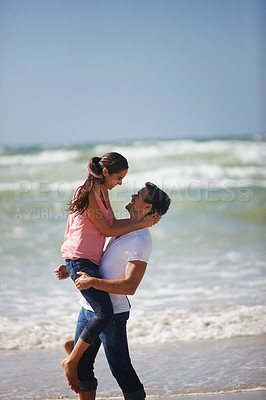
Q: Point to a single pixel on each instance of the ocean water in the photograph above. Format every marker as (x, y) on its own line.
(205, 284)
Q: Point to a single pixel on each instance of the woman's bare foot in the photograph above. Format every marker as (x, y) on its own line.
(71, 375)
(69, 346)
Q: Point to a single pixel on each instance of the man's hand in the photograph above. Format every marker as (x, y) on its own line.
(128, 285)
(61, 272)
(84, 282)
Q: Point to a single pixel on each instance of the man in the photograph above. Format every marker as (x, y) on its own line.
(122, 268)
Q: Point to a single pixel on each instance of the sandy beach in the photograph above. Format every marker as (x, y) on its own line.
(171, 371)
(259, 395)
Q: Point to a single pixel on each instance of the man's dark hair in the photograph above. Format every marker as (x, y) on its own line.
(157, 198)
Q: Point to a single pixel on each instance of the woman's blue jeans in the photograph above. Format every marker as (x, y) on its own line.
(100, 301)
(114, 340)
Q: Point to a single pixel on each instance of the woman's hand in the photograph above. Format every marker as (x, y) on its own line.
(84, 282)
(156, 218)
(61, 272)
(151, 219)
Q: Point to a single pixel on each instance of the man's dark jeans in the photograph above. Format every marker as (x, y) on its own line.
(114, 340)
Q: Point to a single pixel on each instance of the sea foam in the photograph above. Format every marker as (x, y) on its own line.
(42, 157)
(144, 327)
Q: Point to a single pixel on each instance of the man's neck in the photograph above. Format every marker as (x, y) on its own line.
(135, 218)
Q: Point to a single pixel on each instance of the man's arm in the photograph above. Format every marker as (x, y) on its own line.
(133, 275)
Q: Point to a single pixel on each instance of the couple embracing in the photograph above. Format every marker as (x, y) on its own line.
(105, 278)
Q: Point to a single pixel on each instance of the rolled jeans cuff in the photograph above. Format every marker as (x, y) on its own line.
(138, 395)
(88, 386)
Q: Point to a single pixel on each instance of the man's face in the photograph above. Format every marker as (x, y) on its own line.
(138, 207)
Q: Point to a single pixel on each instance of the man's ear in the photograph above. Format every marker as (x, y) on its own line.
(148, 208)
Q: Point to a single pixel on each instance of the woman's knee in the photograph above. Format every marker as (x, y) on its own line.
(105, 315)
(105, 311)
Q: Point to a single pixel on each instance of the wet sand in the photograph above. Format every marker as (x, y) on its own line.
(211, 370)
(258, 395)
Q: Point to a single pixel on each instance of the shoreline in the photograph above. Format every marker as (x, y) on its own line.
(208, 370)
(252, 394)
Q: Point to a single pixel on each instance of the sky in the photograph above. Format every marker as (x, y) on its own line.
(76, 71)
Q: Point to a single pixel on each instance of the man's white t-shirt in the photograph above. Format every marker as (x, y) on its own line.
(136, 245)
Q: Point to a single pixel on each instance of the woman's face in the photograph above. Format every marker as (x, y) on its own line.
(112, 180)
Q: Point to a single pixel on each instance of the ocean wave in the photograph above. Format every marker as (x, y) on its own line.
(173, 325)
(35, 332)
(243, 152)
(168, 177)
(199, 176)
(43, 185)
(176, 164)
(240, 152)
(155, 326)
(43, 157)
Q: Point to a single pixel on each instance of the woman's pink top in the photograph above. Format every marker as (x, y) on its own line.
(82, 238)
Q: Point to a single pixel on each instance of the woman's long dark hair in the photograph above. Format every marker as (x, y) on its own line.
(113, 162)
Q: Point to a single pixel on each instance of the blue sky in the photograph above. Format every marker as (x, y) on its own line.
(86, 70)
